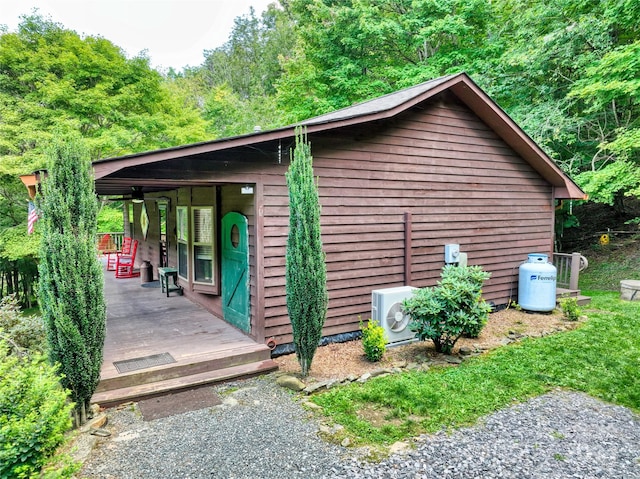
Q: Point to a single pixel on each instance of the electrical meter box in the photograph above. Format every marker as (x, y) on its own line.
(451, 253)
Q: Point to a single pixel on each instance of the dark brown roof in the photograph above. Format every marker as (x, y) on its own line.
(378, 105)
(380, 108)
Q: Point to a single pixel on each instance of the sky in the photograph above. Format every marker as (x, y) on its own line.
(173, 32)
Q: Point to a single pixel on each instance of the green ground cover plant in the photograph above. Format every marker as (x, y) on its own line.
(599, 358)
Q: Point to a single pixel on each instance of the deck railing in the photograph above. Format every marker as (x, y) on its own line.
(568, 267)
(115, 237)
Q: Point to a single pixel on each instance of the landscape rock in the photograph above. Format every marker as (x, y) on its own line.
(380, 372)
(364, 378)
(466, 351)
(400, 447)
(290, 382)
(311, 405)
(319, 386)
(452, 359)
(97, 422)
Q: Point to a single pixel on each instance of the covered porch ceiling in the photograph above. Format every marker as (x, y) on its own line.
(193, 169)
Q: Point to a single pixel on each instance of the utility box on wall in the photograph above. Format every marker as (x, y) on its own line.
(451, 253)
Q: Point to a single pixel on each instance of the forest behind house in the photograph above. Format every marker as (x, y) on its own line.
(568, 72)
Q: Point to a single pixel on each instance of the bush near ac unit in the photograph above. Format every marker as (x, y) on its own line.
(451, 309)
(374, 341)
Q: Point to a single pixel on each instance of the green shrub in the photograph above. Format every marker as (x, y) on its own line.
(451, 309)
(374, 341)
(26, 332)
(34, 413)
(570, 309)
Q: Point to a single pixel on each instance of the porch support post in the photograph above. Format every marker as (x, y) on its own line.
(257, 311)
(407, 248)
(575, 271)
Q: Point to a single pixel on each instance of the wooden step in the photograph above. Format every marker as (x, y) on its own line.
(572, 293)
(583, 300)
(192, 365)
(114, 397)
(563, 292)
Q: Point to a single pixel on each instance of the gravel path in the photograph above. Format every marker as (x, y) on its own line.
(260, 433)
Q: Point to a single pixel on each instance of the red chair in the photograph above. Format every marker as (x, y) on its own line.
(105, 245)
(113, 256)
(126, 262)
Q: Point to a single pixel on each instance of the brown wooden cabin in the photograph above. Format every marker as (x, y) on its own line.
(399, 177)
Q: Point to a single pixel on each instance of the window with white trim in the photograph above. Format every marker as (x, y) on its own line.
(203, 244)
(182, 234)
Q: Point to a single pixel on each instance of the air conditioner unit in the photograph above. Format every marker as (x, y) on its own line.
(386, 308)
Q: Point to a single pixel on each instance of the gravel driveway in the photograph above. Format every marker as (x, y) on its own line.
(260, 432)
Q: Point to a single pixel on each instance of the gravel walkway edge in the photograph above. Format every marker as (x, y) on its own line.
(261, 431)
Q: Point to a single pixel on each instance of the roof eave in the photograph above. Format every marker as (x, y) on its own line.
(483, 106)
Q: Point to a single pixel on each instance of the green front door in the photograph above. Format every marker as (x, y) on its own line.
(235, 270)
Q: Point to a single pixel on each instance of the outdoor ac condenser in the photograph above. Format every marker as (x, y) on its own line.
(386, 308)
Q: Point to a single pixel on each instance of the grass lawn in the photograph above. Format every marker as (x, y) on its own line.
(601, 358)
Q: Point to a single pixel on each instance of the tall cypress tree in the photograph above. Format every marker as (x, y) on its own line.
(306, 271)
(71, 278)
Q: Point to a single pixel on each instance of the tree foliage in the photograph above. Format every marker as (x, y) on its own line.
(235, 86)
(451, 309)
(306, 271)
(71, 278)
(566, 71)
(53, 81)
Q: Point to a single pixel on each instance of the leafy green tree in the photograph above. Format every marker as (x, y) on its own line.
(611, 92)
(249, 62)
(306, 271)
(110, 218)
(357, 49)
(71, 278)
(53, 81)
(235, 85)
(18, 250)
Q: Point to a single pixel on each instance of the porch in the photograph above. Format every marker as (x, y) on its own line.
(568, 268)
(142, 323)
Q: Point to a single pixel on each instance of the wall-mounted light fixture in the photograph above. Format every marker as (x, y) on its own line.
(137, 196)
(247, 190)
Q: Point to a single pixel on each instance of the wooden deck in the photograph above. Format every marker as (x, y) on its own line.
(142, 321)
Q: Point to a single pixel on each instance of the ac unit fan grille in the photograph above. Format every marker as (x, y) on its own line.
(397, 320)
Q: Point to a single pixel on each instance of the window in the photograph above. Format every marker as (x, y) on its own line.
(182, 233)
(203, 245)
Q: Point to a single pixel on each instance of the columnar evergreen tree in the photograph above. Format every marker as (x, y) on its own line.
(71, 281)
(306, 272)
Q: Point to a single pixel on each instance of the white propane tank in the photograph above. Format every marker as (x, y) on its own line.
(537, 284)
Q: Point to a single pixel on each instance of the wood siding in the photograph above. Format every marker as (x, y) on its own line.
(438, 165)
(459, 182)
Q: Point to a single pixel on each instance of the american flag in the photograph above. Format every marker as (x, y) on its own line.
(32, 218)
